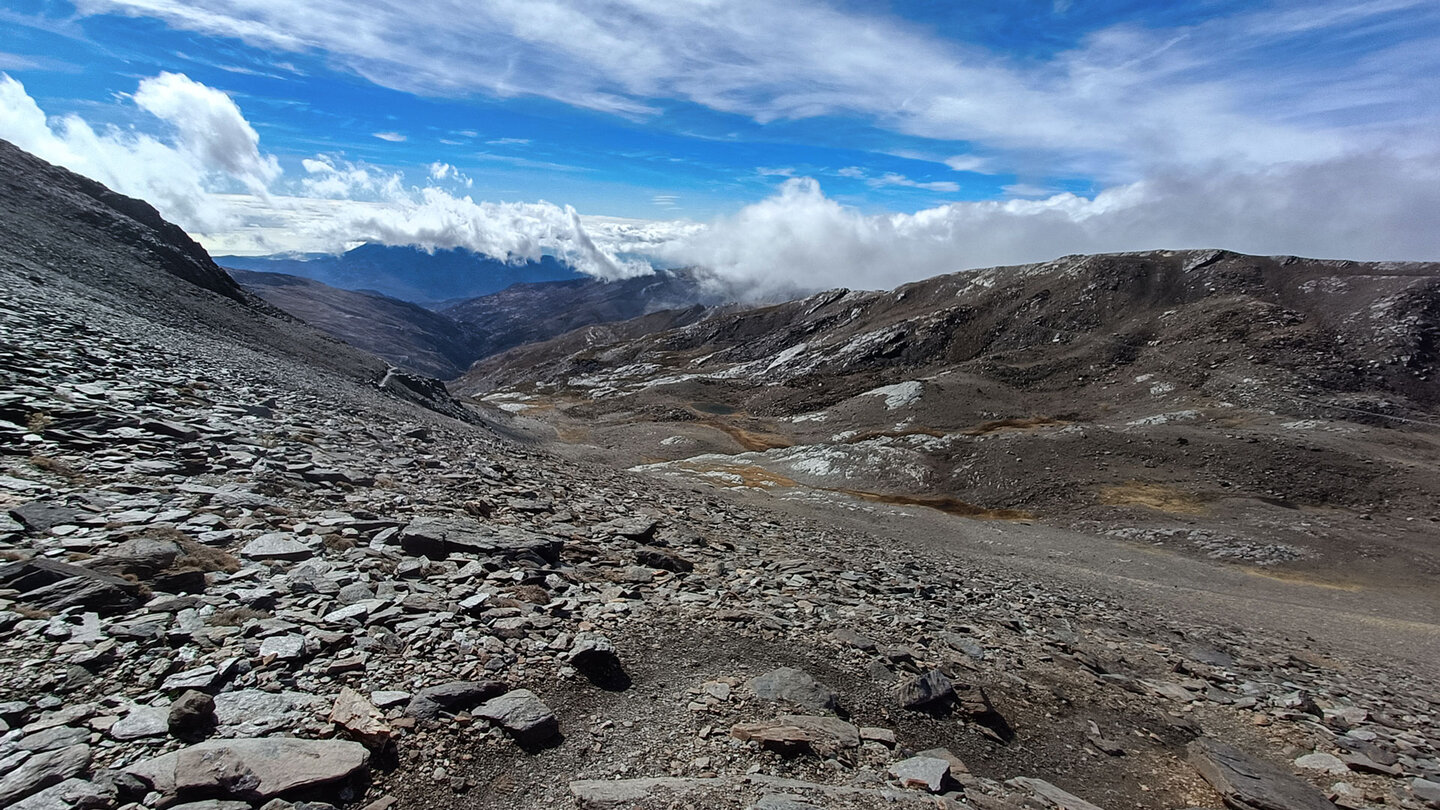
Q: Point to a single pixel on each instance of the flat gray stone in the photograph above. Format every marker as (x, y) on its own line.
(1325, 763)
(251, 769)
(796, 687)
(54, 737)
(141, 722)
(276, 546)
(285, 648)
(1246, 782)
(253, 711)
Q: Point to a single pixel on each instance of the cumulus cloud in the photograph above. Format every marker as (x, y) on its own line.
(211, 147)
(1374, 206)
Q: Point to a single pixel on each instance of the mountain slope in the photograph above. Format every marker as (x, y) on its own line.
(403, 333)
(1129, 392)
(409, 273)
(117, 253)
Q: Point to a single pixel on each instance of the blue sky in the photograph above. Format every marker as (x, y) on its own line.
(989, 131)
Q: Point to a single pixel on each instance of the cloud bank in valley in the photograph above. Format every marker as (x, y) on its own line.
(210, 175)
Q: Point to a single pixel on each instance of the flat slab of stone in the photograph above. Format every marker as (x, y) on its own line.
(251, 769)
(43, 770)
(796, 687)
(1246, 782)
(54, 586)
(1052, 795)
(438, 538)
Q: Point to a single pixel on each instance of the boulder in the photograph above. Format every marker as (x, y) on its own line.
(192, 715)
(276, 546)
(928, 773)
(453, 697)
(523, 715)
(932, 689)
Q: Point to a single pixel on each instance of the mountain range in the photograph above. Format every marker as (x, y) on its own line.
(1134, 530)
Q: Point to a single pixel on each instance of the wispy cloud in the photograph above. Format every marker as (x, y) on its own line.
(509, 142)
(393, 137)
(897, 179)
(1127, 98)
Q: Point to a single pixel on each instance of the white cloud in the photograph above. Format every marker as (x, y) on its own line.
(1127, 98)
(392, 137)
(211, 148)
(507, 141)
(969, 163)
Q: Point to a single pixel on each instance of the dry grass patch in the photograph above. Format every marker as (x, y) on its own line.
(1159, 497)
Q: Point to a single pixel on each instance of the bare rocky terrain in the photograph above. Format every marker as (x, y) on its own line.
(249, 566)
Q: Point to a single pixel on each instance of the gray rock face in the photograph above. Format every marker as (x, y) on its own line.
(1246, 782)
(523, 714)
(251, 769)
(797, 687)
(437, 538)
(42, 771)
(428, 703)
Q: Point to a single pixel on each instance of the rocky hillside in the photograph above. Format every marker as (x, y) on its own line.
(238, 573)
(403, 333)
(1265, 409)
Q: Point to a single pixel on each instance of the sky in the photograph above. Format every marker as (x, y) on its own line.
(784, 144)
